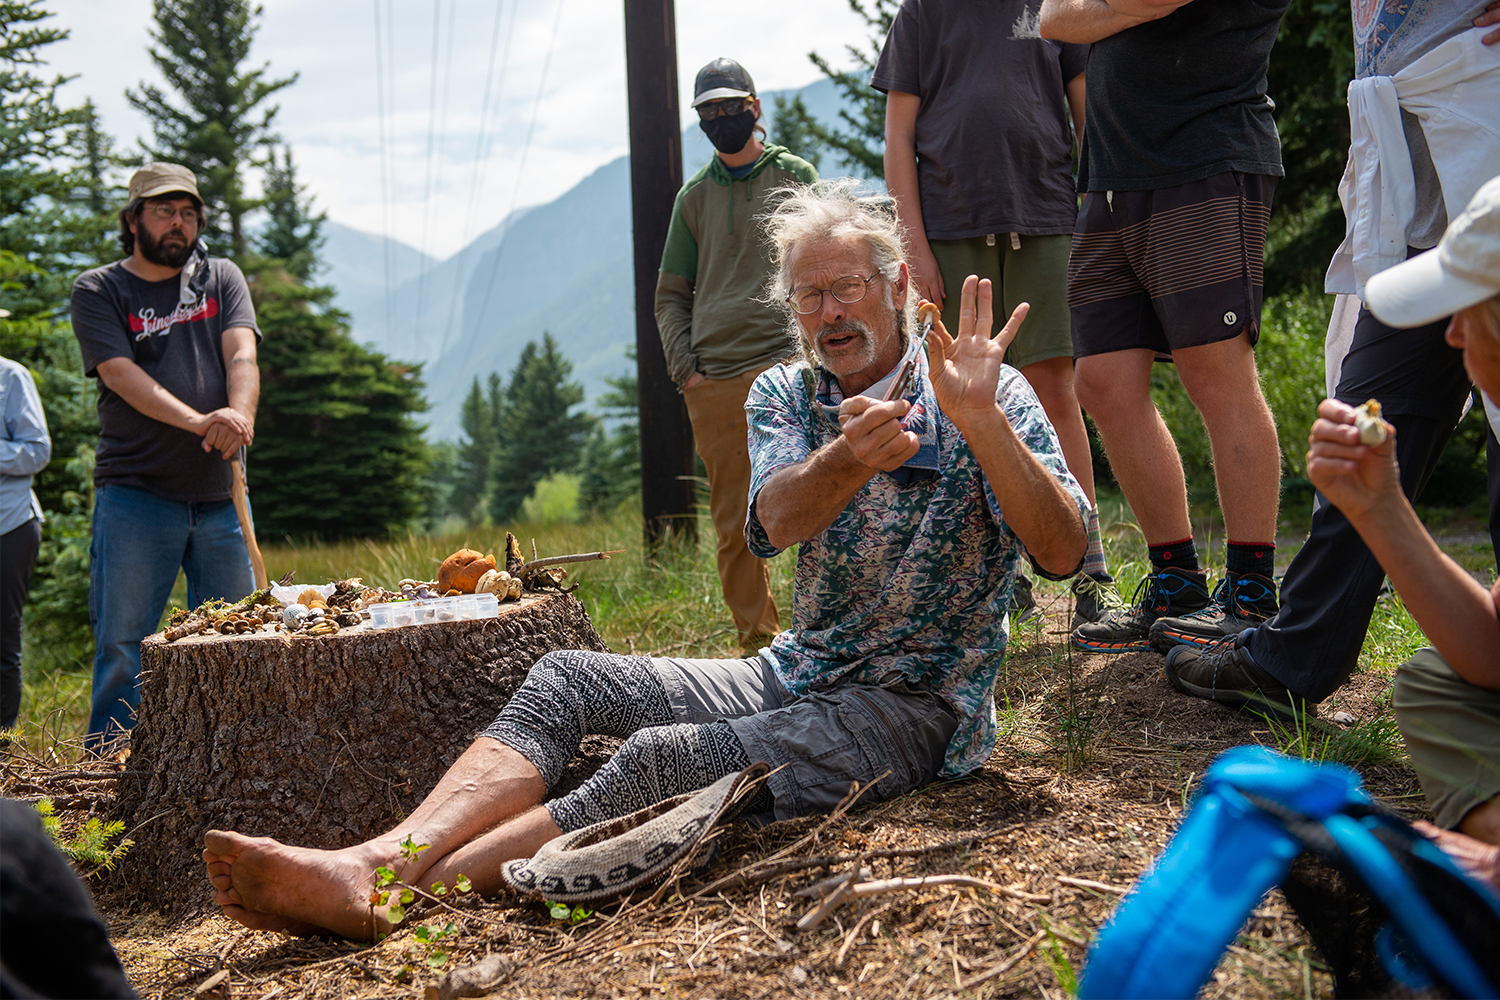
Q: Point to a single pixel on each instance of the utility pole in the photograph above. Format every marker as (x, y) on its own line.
(667, 491)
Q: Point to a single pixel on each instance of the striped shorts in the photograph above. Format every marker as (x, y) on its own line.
(1169, 268)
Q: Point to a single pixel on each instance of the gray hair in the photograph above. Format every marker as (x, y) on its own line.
(837, 210)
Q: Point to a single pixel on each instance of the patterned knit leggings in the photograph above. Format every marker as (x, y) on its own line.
(575, 693)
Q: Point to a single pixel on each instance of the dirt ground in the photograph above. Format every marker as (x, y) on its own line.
(1097, 758)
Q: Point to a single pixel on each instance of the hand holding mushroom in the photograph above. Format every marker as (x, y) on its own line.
(1354, 476)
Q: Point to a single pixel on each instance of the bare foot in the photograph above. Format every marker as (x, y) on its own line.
(266, 885)
(1474, 857)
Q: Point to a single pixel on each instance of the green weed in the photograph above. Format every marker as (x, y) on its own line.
(90, 845)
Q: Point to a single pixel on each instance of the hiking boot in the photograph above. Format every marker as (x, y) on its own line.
(1240, 601)
(1023, 602)
(1163, 593)
(1224, 672)
(1094, 596)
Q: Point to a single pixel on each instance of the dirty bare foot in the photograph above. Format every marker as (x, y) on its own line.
(1474, 857)
(267, 885)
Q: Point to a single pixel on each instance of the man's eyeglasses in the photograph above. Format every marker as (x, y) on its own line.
(848, 290)
(165, 213)
(731, 106)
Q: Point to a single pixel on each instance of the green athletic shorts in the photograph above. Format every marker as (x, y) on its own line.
(1035, 273)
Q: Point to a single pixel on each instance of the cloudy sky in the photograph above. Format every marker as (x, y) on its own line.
(332, 117)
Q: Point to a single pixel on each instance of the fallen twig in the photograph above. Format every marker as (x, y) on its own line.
(862, 890)
(1088, 883)
(1005, 966)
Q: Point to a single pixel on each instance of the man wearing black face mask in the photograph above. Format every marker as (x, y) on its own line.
(170, 334)
(716, 334)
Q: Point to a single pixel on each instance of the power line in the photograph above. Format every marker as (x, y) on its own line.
(482, 144)
(432, 129)
(385, 191)
(520, 172)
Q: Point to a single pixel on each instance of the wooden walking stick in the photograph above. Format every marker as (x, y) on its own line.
(242, 508)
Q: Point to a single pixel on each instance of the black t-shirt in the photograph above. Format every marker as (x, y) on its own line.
(1183, 98)
(118, 315)
(994, 147)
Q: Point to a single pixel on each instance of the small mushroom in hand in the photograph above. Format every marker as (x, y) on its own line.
(1367, 421)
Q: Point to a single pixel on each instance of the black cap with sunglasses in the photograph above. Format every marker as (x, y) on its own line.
(720, 79)
(724, 96)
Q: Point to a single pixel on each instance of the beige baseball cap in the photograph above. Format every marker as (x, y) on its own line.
(162, 178)
(1462, 271)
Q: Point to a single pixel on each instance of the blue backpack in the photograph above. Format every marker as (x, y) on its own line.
(1257, 812)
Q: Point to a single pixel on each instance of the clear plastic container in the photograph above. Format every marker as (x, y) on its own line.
(464, 607)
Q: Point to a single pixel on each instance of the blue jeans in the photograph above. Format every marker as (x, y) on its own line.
(139, 542)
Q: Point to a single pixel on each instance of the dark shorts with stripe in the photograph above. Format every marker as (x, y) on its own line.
(1171, 267)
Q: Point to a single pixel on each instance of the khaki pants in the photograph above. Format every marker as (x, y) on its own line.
(1452, 729)
(716, 408)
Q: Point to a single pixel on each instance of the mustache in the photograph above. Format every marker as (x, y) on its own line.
(844, 326)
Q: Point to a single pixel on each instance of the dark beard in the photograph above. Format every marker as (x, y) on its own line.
(157, 253)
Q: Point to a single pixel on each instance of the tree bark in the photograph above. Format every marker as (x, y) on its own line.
(320, 741)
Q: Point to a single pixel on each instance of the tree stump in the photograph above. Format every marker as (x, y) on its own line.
(320, 741)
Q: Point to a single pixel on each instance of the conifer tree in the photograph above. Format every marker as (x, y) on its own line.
(220, 118)
(611, 464)
(39, 233)
(293, 235)
(338, 451)
(475, 453)
(538, 433)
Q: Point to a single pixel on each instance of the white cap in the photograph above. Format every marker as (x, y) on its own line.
(1462, 271)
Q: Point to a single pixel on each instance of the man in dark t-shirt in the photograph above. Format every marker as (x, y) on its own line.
(1179, 162)
(171, 336)
(979, 163)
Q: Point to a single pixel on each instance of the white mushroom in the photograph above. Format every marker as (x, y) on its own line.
(1371, 427)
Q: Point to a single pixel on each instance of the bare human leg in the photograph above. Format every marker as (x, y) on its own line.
(1221, 381)
(267, 885)
(1115, 389)
(1052, 381)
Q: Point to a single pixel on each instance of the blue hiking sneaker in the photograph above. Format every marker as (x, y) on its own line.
(1166, 592)
(1241, 601)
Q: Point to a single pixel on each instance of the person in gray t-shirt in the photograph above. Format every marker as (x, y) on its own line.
(170, 334)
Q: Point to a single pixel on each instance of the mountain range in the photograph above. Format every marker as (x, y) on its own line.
(563, 267)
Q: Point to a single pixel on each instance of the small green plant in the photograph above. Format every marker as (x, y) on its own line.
(1297, 738)
(1061, 966)
(91, 844)
(563, 913)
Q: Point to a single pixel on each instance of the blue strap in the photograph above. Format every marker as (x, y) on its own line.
(1167, 936)
(1407, 906)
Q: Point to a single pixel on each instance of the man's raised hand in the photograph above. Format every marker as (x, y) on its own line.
(874, 433)
(1356, 478)
(965, 369)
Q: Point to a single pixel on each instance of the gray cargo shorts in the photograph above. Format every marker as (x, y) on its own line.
(892, 735)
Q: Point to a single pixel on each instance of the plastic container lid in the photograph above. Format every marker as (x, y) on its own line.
(464, 607)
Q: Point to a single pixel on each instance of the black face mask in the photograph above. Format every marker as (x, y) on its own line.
(729, 133)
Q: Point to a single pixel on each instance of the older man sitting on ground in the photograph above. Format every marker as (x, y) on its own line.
(911, 516)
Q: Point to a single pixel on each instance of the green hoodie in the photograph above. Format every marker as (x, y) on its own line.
(714, 268)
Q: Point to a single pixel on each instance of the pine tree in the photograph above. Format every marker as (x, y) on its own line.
(476, 453)
(611, 465)
(221, 119)
(40, 235)
(293, 234)
(538, 435)
(860, 148)
(337, 451)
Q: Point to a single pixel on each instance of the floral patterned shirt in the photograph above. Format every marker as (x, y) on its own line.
(913, 578)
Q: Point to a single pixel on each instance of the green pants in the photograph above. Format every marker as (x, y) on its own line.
(1452, 729)
(1036, 271)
